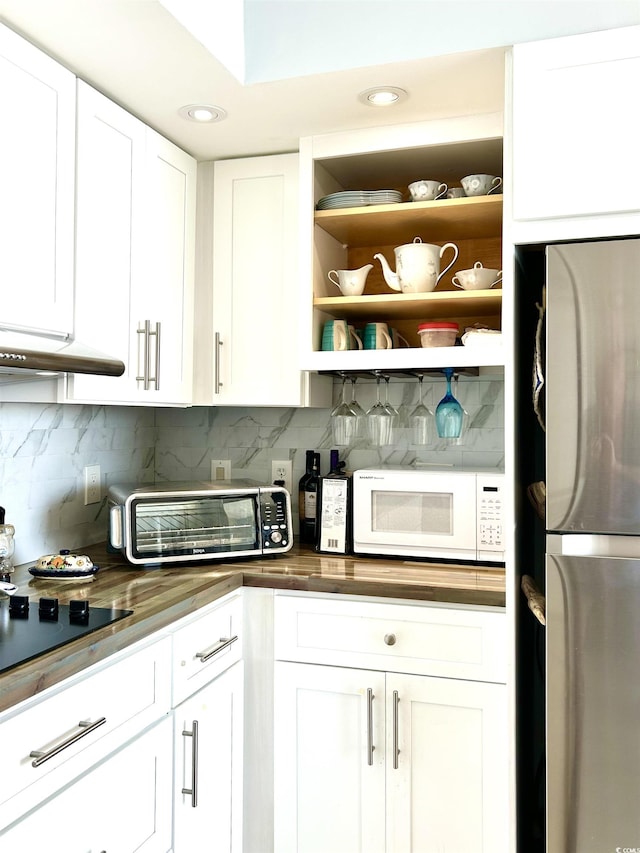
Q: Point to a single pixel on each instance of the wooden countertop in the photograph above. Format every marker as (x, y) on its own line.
(159, 597)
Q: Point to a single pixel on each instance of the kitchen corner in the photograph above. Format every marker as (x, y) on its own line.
(160, 597)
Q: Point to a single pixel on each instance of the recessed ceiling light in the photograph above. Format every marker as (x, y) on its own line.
(202, 113)
(382, 96)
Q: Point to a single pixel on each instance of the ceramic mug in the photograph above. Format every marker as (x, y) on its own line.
(427, 190)
(397, 339)
(376, 336)
(355, 342)
(480, 184)
(455, 192)
(335, 336)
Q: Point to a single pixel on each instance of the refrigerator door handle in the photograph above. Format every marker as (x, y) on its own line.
(593, 545)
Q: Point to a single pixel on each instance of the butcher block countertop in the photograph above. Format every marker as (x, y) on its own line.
(159, 597)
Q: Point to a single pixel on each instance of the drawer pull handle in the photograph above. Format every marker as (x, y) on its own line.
(193, 790)
(214, 650)
(396, 751)
(370, 746)
(390, 639)
(86, 727)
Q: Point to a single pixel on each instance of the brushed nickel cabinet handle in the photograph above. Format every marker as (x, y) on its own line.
(146, 331)
(370, 745)
(156, 377)
(217, 384)
(396, 751)
(207, 654)
(193, 790)
(86, 728)
(390, 639)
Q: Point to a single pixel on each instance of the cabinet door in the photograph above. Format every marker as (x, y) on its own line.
(575, 129)
(122, 805)
(329, 759)
(134, 256)
(256, 288)
(37, 151)
(110, 222)
(165, 280)
(446, 765)
(208, 735)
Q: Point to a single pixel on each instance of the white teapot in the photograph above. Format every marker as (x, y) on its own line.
(417, 266)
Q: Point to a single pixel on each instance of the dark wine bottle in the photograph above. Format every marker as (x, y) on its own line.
(310, 490)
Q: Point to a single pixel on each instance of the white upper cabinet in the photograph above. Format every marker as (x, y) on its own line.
(134, 256)
(37, 151)
(575, 131)
(248, 353)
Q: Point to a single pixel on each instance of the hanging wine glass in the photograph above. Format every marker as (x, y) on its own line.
(379, 421)
(421, 419)
(393, 412)
(358, 411)
(449, 412)
(466, 418)
(343, 421)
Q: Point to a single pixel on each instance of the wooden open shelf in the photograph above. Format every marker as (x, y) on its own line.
(437, 221)
(437, 305)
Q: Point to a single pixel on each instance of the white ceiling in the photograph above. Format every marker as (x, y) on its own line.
(138, 54)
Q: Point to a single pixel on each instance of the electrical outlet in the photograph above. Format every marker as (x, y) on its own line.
(220, 469)
(282, 470)
(92, 484)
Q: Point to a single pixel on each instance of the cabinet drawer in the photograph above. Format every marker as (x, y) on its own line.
(206, 646)
(426, 639)
(68, 731)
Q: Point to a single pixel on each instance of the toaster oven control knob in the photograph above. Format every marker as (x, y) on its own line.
(276, 537)
(390, 639)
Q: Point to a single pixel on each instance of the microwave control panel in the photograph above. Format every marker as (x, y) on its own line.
(275, 520)
(490, 513)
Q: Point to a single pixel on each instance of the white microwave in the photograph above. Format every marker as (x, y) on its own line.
(450, 514)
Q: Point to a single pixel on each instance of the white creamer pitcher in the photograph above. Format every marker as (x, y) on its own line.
(417, 266)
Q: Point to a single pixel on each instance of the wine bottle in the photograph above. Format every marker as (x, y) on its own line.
(310, 489)
(334, 534)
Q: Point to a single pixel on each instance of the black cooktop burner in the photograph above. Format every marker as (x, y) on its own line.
(31, 628)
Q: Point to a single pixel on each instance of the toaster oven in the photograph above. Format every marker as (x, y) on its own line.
(198, 521)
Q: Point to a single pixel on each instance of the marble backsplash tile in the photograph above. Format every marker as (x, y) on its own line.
(44, 448)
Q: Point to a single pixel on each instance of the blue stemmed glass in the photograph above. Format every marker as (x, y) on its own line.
(449, 412)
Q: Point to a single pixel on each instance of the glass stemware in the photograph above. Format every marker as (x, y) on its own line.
(449, 412)
(393, 412)
(421, 419)
(379, 421)
(358, 411)
(343, 420)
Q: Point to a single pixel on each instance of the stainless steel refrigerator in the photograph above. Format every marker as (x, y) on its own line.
(592, 414)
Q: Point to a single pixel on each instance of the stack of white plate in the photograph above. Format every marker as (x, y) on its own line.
(358, 198)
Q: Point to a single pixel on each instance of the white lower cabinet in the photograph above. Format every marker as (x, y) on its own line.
(371, 759)
(208, 718)
(368, 761)
(121, 806)
(208, 767)
(329, 788)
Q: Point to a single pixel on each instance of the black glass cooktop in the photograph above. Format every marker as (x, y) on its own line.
(31, 628)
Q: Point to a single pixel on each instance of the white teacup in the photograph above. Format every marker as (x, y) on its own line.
(455, 192)
(480, 184)
(477, 278)
(427, 190)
